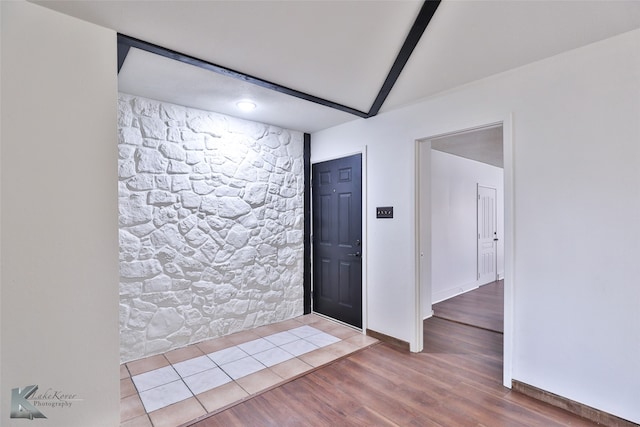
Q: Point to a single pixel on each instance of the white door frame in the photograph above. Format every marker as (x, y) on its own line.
(423, 236)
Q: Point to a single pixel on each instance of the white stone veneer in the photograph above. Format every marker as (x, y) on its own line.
(211, 225)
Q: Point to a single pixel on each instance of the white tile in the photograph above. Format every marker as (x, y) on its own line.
(207, 380)
(322, 339)
(164, 395)
(256, 346)
(299, 347)
(193, 366)
(273, 356)
(155, 378)
(242, 368)
(281, 338)
(227, 355)
(304, 331)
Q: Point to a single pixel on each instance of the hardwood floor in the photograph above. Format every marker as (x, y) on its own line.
(482, 307)
(456, 381)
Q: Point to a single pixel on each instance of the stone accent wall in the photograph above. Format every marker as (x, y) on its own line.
(211, 225)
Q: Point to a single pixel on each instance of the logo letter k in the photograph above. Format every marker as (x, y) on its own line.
(21, 407)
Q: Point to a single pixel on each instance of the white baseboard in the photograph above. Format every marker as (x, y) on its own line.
(452, 292)
(428, 316)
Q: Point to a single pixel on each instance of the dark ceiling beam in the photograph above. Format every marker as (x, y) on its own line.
(427, 11)
(172, 54)
(123, 51)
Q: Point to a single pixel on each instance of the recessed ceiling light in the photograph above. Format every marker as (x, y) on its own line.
(246, 105)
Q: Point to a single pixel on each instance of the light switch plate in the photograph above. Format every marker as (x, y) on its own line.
(384, 212)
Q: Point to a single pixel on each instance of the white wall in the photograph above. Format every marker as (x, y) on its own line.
(575, 133)
(59, 215)
(454, 258)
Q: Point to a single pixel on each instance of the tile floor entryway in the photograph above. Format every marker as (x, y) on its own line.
(182, 385)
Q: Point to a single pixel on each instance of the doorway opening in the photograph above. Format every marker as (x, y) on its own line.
(464, 208)
(466, 187)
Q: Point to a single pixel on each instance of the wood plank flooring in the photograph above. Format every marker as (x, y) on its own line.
(482, 307)
(456, 381)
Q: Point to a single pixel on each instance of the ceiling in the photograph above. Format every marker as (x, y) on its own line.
(482, 145)
(340, 51)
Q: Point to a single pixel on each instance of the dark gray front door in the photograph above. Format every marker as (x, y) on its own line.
(337, 239)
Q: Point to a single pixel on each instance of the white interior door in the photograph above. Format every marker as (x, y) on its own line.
(487, 235)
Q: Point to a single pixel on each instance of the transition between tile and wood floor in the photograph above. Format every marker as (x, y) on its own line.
(186, 384)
